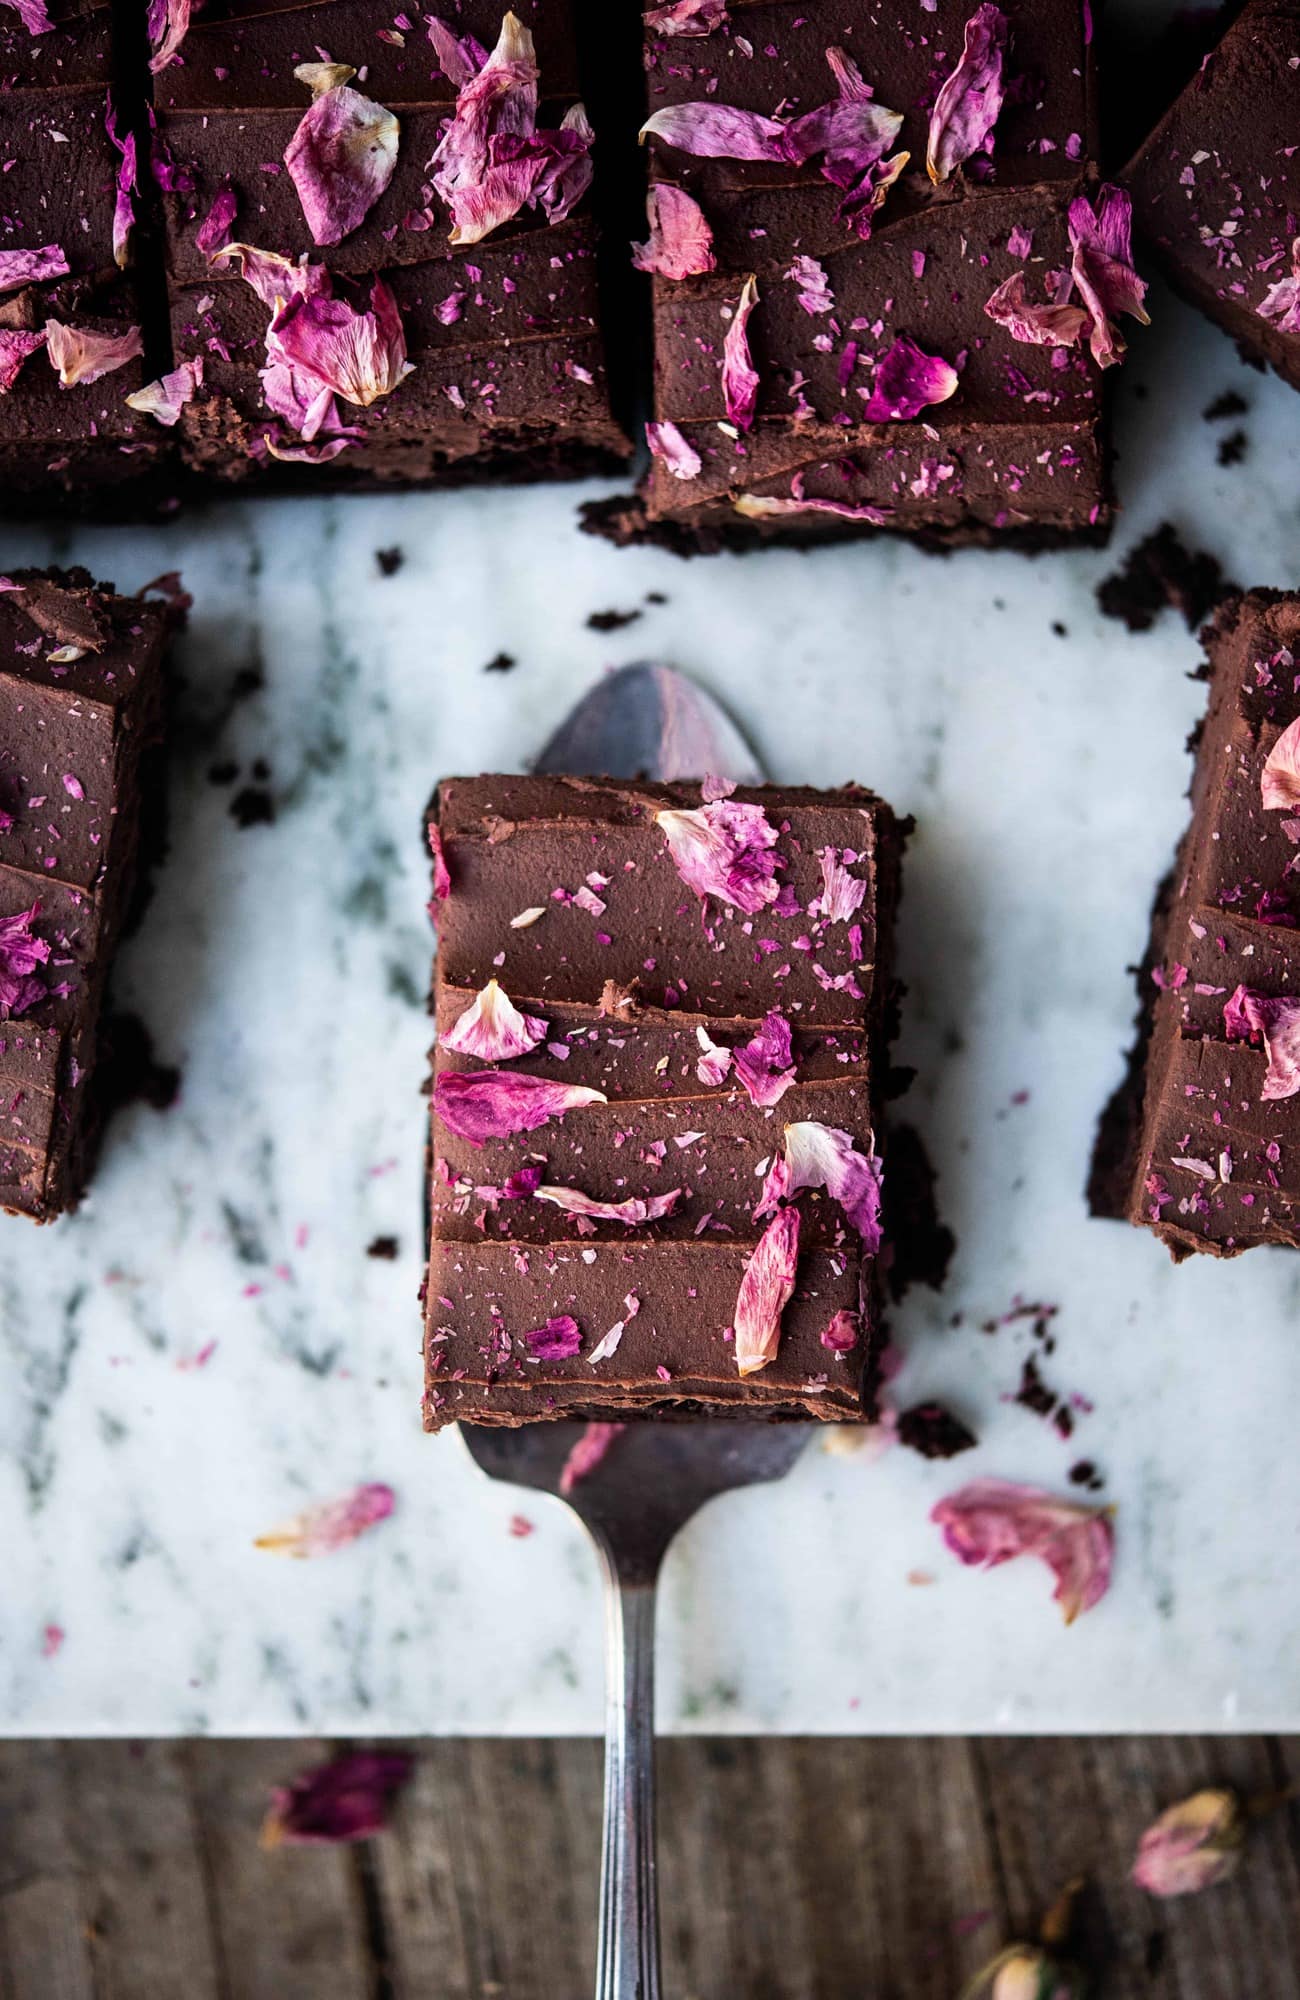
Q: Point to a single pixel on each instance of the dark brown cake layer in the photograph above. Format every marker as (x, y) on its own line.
(565, 892)
(81, 711)
(1198, 1146)
(1216, 188)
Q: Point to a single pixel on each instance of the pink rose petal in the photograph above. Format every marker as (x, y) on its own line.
(822, 1156)
(842, 893)
(1277, 1022)
(764, 1066)
(360, 356)
(332, 1524)
(33, 14)
(14, 350)
(673, 450)
(739, 376)
(631, 1211)
(1279, 781)
(213, 233)
(1192, 1846)
(21, 951)
(967, 107)
(558, 1340)
(168, 25)
(167, 397)
(492, 1104)
(79, 354)
(493, 1027)
(687, 17)
(815, 294)
(342, 155)
(31, 267)
(441, 872)
(1046, 325)
(1102, 268)
(992, 1521)
(765, 1291)
(346, 1799)
(713, 1061)
(276, 279)
(128, 181)
(680, 244)
(840, 1335)
(1281, 303)
(588, 1453)
(724, 850)
(907, 381)
(460, 57)
(712, 131)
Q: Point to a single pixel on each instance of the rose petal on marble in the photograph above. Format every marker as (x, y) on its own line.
(33, 14)
(1280, 305)
(908, 380)
(167, 397)
(764, 1066)
(588, 1453)
(717, 132)
(992, 1521)
(842, 893)
(79, 354)
(815, 295)
(346, 1799)
(967, 107)
(823, 1156)
(14, 350)
(840, 1335)
(673, 450)
(168, 24)
(739, 376)
(558, 1340)
(687, 17)
(342, 155)
(725, 850)
(360, 356)
(1277, 1022)
(765, 1291)
(1279, 781)
(491, 1104)
(31, 267)
(713, 1061)
(1045, 325)
(21, 951)
(331, 1524)
(633, 1210)
(460, 57)
(1192, 1845)
(493, 1027)
(680, 243)
(1102, 268)
(213, 233)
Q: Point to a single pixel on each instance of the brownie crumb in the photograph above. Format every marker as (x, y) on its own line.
(655, 597)
(1161, 572)
(382, 1246)
(253, 806)
(501, 663)
(934, 1431)
(223, 774)
(1033, 1393)
(1084, 1473)
(390, 560)
(247, 682)
(1233, 448)
(612, 621)
(1061, 631)
(129, 1072)
(1229, 404)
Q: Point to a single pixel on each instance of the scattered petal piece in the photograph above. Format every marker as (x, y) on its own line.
(822, 1156)
(490, 1104)
(607, 1345)
(1192, 1845)
(993, 1520)
(673, 451)
(680, 244)
(764, 1066)
(1047, 325)
(213, 233)
(907, 381)
(1277, 1022)
(1281, 303)
(167, 397)
(1279, 781)
(631, 1211)
(346, 1799)
(460, 57)
(21, 951)
(687, 17)
(760, 506)
(967, 107)
(1102, 268)
(842, 893)
(441, 872)
(558, 1340)
(332, 1524)
(168, 23)
(14, 350)
(360, 356)
(724, 850)
(714, 1059)
(587, 1453)
(765, 1292)
(33, 14)
(739, 376)
(79, 354)
(493, 1027)
(815, 295)
(527, 918)
(717, 132)
(31, 267)
(841, 1334)
(342, 155)
(276, 279)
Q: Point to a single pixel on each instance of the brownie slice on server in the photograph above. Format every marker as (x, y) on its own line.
(312, 135)
(662, 1022)
(845, 341)
(1203, 1143)
(81, 720)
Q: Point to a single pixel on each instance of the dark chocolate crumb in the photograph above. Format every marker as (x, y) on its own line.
(1161, 572)
(1033, 1393)
(253, 806)
(223, 774)
(934, 1431)
(382, 1246)
(390, 560)
(128, 1071)
(1084, 1473)
(1229, 404)
(1233, 448)
(612, 621)
(500, 663)
(261, 770)
(655, 597)
(1060, 630)
(247, 682)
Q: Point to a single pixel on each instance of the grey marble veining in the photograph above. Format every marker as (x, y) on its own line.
(284, 968)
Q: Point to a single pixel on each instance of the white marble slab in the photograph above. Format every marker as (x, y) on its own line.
(284, 967)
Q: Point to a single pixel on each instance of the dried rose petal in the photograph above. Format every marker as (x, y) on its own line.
(490, 1104)
(587, 1453)
(14, 350)
(967, 107)
(993, 1520)
(558, 1340)
(842, 893)
(78, 354)
(634, 1210)
(167, 397)
(1192, 1845)
(841, 1334)
(276, 279)
(441, 872)
(607, 1345)
(765, 1292)
(21, 951)
(815, 294)
(33, 15)
(346, 1799)
(714, 1059)
(307, 454)
(342, 156)
(332, 1524)
(673, 450)
(213, 233)
(360, 356)
(764, 1066)
(1047, 325)
(1279, 781)
(717, 132)
(168, 25)
(760, 506)
(823, 1156)
(460, 57)
(687, 17)
(493, 1027)
(680, 244)
(31, 267)
(1102, 268)
(1277, 1021)
(739, 376)
(907, 381)
(1281, 303)
(724, 850)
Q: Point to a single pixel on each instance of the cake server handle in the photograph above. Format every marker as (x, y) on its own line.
(627, 1964)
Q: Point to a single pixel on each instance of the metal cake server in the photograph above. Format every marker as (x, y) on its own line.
(645, 721)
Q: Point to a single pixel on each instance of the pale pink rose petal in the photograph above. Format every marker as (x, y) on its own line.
(588, 1453)
(763, 506)
(673, 451)
(460, 57)
(840, 1335)
(491, 1104)
(967, 107)
(168, 25)
(822, 1156)
(127, 182)
(739, 376)
(1046, 325)
(1277, 1022)
(765, 1291)
(633, 1210)
(842, 893)
(167, 397)
(849, 137)
(567, 167)
(907, 381)
(213, 233)
(360, 356)
(713, 1061)
(815, 295)
(765, 1066)
(341, 157)
(33, 14)
(717, 132)
(344, 1800)
(276, 279)
(31, 267)
(79, 354)
(21, 951)
(441, 872)
(991, 1521)
(1102, 268)
(558, 1340)
(14, 350)
(680, 243)
(1192, 1846)
(332, 1524)
(687, 17)
(1279, 781)
(725, 850)
(607, 1345)
(493, 1027)
(1281, 303)
(307, 454)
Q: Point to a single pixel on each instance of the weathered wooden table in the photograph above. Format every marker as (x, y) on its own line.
(791, 1870)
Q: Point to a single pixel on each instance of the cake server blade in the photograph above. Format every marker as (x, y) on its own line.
(644, 721)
